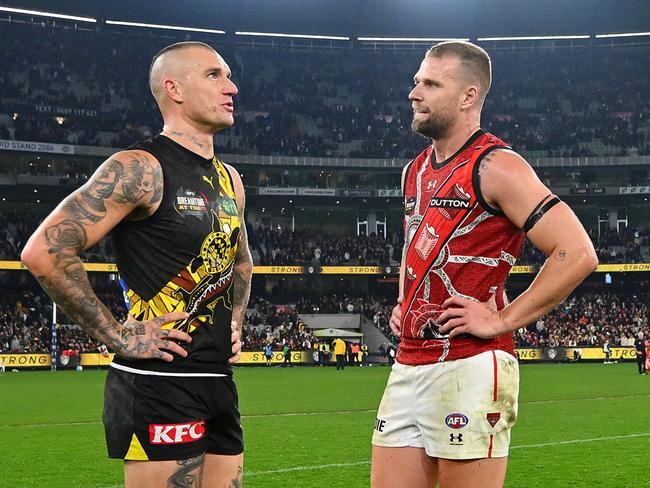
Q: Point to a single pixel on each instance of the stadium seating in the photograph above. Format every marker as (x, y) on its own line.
(311, 103)
(586, 319)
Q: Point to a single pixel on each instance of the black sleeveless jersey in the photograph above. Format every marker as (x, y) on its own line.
(181, 258)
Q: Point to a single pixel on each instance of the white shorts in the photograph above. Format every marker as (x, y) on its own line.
(462, 409)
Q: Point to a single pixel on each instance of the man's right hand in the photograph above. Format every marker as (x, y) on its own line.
(147, 339)
(396, 318)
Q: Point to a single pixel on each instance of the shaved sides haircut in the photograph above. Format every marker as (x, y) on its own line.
(474, 60)
(173, 47)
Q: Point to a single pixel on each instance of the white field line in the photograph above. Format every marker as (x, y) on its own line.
(582, 441)
(264, 415)
(525, 446)
(613, 397)
(331, 412)
(317, 467)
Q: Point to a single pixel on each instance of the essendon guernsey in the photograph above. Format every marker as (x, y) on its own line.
(456, 245)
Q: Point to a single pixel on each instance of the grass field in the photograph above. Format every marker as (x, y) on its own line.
(585, 425)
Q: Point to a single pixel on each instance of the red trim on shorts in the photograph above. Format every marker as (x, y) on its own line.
(490, 447)
(494, 366)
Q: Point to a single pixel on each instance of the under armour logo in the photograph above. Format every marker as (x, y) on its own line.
(456, 438)
(432, 184)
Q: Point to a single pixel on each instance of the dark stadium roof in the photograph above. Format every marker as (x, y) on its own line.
(412, 18)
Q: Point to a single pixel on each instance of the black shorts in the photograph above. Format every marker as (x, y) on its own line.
(161, 418)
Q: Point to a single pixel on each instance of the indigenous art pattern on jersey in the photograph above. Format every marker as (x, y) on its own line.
(205, 282)
(456, 245)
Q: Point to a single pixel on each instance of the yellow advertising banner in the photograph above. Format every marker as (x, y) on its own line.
(358, 270)
(522, 270)
(248, 357)
(257, 357)
(102, 267)
(371, 270)
(278, 269)
(26, 360)
(545, 353)
(597, 352)
(95, 359)
(623, 268)
(12, 265)
(530, 354)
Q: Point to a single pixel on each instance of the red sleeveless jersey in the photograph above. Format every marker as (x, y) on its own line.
(455, 245)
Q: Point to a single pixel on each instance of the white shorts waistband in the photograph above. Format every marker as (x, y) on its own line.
(128, 369)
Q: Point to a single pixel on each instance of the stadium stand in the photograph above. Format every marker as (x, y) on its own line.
(585, 319)
(310, 103)
(278, 246)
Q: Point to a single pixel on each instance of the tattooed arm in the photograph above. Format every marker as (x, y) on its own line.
(508, 183)
(127, 185)
(243, 269)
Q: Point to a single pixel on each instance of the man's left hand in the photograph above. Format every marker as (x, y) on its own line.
(236, 343)
(480, 319)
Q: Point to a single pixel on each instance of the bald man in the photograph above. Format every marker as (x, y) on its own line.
(175, 214)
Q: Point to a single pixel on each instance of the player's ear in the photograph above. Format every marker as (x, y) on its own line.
(173, 89)
(470, 97)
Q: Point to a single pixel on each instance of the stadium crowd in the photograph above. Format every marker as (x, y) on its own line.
(309, 248)
(320, 102)
(267, 323)
(588, 320)
(26, 322)
(585, 319)
(306, 247)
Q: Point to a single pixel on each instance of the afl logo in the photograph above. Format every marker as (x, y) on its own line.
(456, 420)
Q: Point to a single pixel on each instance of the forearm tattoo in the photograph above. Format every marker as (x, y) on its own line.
(243, 272)
(135, 182)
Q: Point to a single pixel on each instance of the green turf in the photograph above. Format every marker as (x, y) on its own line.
(585, 425)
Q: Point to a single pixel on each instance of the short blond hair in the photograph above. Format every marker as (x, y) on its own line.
(475, 61)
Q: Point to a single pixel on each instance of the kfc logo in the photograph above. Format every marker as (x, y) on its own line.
(176, 433)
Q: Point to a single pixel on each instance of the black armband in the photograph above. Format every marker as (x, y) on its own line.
(539, 211)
